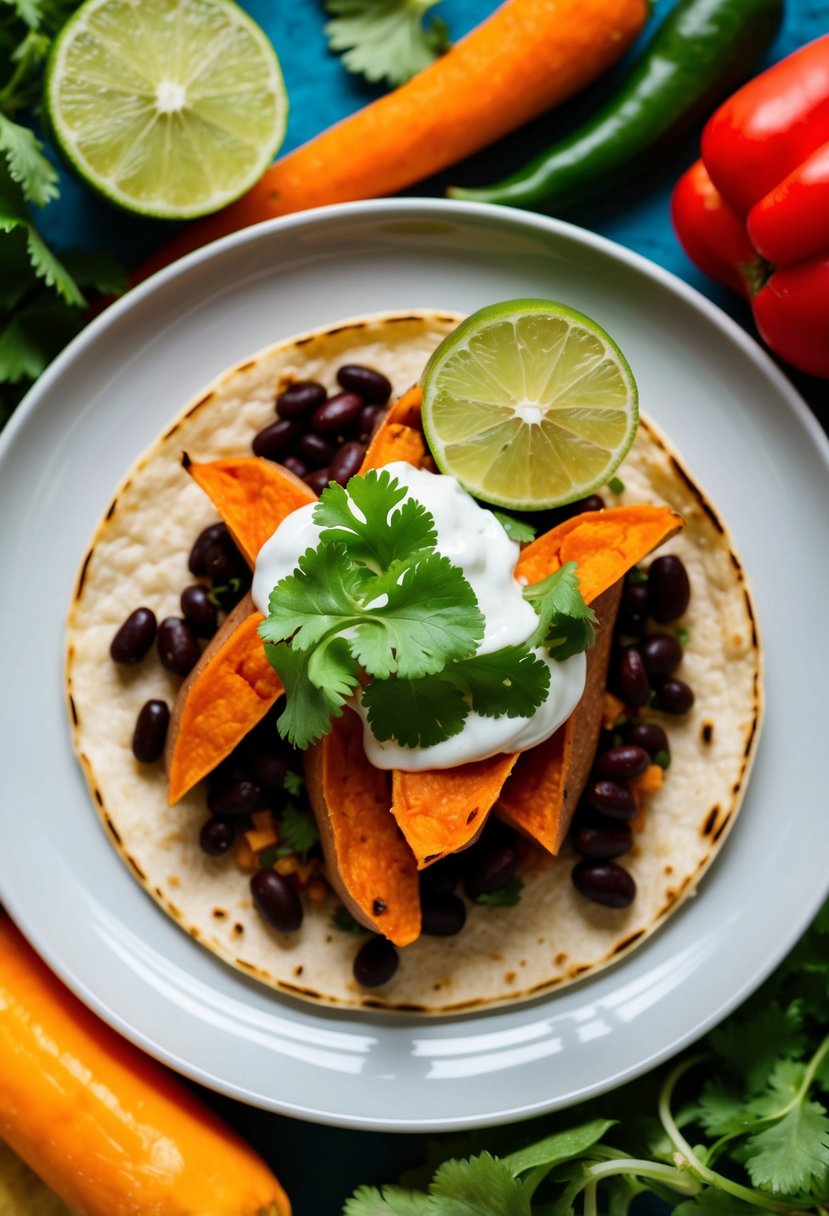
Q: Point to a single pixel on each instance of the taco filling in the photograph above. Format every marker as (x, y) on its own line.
(496, 749)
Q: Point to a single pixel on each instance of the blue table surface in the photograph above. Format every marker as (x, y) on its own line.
(320, 1166)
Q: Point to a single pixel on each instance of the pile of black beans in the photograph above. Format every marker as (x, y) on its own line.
(642, 674)
(322, 438)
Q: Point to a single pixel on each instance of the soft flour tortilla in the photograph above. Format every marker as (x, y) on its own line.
(552, 936)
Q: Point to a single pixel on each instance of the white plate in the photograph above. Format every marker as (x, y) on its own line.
(743, 431)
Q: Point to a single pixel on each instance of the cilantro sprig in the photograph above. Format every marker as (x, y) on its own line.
(375, 611)
(385, 40)
(739, 1128)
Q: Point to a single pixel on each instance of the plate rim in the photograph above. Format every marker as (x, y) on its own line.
(373, 210)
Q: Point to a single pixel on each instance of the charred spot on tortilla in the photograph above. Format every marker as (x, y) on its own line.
(707, 732)
(199, 405)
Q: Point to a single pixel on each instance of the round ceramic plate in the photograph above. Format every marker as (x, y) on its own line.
(744, 433)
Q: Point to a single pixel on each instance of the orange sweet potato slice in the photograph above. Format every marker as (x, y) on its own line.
(544, 787)
(441, 811)
(400, 435)
(252, 495)
(606, 544)
(368, 862)
(230, 689)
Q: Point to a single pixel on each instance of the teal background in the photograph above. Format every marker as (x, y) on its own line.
(320, 1166)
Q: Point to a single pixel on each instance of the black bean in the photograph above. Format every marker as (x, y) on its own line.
(276, 440)
(318, 480)
(674, 696)
(228, 593)
(605, 883)
(337, 414)
(441, 878)
(668, 588)
(369, 418)
(276, 900)
(633, 609)
(611, 799)
(372, 385)
(621, 763)
(649, 735)
(222, 560)
(491, 871)
(602, 844)
(317, 451)
(177, 645)
(135, 637)
(269, 768)
(199, 610)
(593, 502)
(443, 915)
(661, 654)
(298, 467)
(632, 679)
(300, 399)
(216, 837)
(235, 797)
(150, 731)
(212, 535)
(375, 962)
(346, 463)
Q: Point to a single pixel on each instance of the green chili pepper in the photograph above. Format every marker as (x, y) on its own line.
(697, 56)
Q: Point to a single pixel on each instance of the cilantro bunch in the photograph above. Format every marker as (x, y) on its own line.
(375, 607)
(42, 300)
(737, 1128)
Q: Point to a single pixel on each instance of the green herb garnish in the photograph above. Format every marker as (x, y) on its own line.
(293, 784)
(505, 897)
(345, 922)
(637, 577)
(616, 485)
(516, 529)
(385, 39)
(297, 832)
(663, 759)
(375, 609)
(682, 635)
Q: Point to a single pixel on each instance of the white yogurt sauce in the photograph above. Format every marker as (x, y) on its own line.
(473, 539)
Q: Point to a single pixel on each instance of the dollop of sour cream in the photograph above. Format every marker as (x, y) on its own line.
(474, 541)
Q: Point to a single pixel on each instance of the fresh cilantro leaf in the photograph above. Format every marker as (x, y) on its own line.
(505, 897)
(298, 831)
(417, 713)
(308, 708)
(559, 1147)
(616, 485)
(293, 784)
(14, 216)
(345, 922)
(511, 682)
(28, 166)
(20, 357)
(430, 617)
(385, 39)
(479, 1186)
(28, 11)
(323, 594)
(387, 532)
(750, 1047)
(96, 270)
(565, 621)
(389, 1201)
(712, 1202)
(516, 529)
(792, 1156)
(721, 1110)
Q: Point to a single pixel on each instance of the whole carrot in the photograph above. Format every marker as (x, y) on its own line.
(524, 59)
(109, 1130)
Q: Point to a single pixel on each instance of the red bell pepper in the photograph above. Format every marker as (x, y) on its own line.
(754, 212)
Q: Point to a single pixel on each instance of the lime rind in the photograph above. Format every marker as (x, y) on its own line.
(530, 404)
(167, 108)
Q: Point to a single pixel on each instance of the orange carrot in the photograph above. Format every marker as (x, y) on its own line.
(107, 1128)
(527, 57)
(252, 495)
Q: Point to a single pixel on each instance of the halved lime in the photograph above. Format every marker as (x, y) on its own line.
(529, 404)
(172, 108)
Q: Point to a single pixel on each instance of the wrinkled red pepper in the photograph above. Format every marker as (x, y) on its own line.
(754, 212)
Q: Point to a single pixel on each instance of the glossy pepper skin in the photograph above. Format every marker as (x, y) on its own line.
(753, 213)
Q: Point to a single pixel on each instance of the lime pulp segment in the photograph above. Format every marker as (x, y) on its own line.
(529, 404)
(168, 107)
